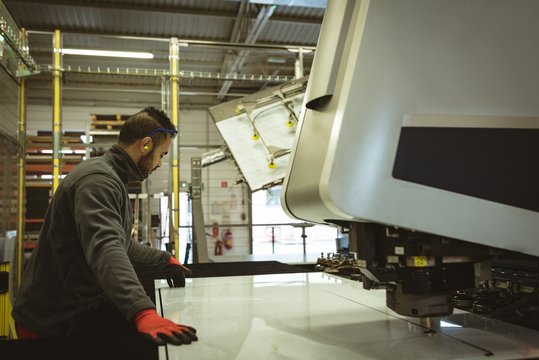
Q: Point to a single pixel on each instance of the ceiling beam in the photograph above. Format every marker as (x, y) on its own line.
(259, 24)
(72, 30)
(158, 9)
(235, 34)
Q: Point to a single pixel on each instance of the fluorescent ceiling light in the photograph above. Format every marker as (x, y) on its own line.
(276, 60)
(125, 54)
(296, 50)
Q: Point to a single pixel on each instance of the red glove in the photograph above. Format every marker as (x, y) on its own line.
(173, 261)
(25, 333)
(161, 330)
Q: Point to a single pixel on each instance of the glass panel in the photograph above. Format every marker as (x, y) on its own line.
(274, 232)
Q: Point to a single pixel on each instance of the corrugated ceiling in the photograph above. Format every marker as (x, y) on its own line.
(203, 20)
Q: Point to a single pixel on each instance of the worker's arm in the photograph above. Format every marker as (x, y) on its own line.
(168, 267)
(141, 254)
(98, 210)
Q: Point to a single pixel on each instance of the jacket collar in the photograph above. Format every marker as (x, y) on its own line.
(123, 165)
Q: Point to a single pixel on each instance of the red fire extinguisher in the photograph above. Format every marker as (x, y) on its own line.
(218, 248)
(227, 238)
(215, 230)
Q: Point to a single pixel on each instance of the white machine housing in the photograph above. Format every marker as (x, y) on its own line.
(424, 115)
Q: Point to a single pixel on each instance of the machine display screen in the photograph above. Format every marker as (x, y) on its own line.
(488, 163)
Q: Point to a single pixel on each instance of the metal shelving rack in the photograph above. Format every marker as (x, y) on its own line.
(38, 177)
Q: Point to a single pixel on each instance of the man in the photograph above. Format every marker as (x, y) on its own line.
(80, 277)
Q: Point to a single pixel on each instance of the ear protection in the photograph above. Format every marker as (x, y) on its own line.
(146, 147)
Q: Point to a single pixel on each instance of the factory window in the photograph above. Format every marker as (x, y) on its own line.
(274, 232)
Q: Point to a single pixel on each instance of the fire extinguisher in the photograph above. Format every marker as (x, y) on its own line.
(227, 238)
(218, 248)
(215, 230)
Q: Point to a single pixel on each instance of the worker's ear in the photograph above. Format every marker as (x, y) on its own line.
(145, 144)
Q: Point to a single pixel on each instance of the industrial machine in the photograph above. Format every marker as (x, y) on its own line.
(420, 138)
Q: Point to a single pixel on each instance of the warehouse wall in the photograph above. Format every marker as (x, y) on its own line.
(223, 202)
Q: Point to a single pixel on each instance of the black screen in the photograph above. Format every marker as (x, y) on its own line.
(496, 164)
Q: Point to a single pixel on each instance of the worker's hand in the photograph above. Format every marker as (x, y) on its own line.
(175, 273)
(161, 330)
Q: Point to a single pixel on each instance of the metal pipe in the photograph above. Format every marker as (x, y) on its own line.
(165, 106)
(250, 225)
(165, 95)
(215, 156)
(22, 173)
(189, 42)
(149, 234)
(124, 37)
(247, 190)
(157, 92)
(298, 64)
(174, 57)
(136, 211)
(56, 109)
(142, 72)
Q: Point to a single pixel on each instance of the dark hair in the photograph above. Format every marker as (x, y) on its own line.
(142, 123)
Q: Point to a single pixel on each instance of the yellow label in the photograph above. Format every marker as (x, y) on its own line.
(420, 261)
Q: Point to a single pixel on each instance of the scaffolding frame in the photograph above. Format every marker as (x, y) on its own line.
(169, 99)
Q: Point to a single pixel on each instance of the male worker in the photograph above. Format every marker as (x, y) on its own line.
(80, 277)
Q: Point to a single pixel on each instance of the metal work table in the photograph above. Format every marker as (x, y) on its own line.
(320, 316)
(292, 259)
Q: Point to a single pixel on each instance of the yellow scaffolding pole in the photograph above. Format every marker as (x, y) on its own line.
(7, 325)
(174, 59)
(56, 108)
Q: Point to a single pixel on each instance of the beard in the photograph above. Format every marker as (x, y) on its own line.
(145, 164)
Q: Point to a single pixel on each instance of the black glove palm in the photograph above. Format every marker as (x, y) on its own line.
(175, 276)
(175, 273)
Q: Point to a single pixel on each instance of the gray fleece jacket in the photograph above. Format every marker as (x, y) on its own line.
(85, 255)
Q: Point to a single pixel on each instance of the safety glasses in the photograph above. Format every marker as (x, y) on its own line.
(170, 131)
